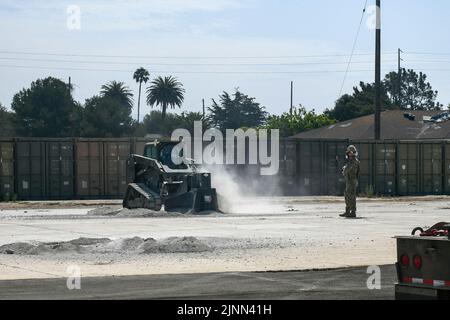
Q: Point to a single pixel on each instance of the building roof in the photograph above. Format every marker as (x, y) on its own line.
(395, 125)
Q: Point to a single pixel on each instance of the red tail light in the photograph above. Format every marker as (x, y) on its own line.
(404, 260)
(417, 261)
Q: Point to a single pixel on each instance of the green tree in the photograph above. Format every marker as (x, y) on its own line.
(7, 127)
(236, 111)
(46, 109)
(416, 92)
(165, 92)
(119, 92)
(105, 117)
(299, 121)
(141, 75)
(359, 104)
(153, 123)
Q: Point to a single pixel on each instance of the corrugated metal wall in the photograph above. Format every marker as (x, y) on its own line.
(31, 173)
(117, 153)
(40, 169)
(432, 166)
(390, 167)
(60, 170)
(6, 168)
(408, 181)
(89, 164)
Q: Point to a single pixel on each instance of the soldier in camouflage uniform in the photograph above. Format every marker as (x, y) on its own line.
(351, 174)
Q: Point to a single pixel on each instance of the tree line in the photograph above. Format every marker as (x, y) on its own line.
(48, 109)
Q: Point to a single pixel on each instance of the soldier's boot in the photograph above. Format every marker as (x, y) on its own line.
(351, 215)
(346, 214)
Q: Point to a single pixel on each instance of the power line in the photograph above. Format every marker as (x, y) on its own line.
(185, 72)
(353, 48)
(428, 53)
(182, 57)
(184, 64)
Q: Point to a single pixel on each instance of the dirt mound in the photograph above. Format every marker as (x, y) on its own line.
(144, 213)
(104, 211)
(134, 245)
(19, 248)
(125, 213)
(90, 241)
(175, 245)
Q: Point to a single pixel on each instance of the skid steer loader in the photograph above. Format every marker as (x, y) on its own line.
(157, 182)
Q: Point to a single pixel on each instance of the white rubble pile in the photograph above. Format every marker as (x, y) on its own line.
(134, 245)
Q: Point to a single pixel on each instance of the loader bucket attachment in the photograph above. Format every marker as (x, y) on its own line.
(194, 201)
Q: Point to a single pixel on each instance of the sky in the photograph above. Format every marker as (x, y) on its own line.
(211, 46)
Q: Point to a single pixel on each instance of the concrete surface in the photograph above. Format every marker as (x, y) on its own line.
(268, 234)
(340, 284)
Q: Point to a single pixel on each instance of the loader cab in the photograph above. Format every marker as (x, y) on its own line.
(162, 152)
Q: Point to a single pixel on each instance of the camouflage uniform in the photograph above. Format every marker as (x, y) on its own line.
(351, 174)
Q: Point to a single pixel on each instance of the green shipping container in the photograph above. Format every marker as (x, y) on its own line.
(408, 168)
(60, 169)
(89, 175)
(447, 168)
(335, 159)
(432, 168)
(385, 168)
(6, 169)
(310, 165)
(31, 163)
(117, 153)
(365, 150)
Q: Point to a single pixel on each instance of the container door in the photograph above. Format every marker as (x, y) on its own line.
(365, 185)
(60, 170)
(6, 169)
(310, 167)
(408, 168)
(432, 168)
(89, 168)
(335, 161)
(385, 168)
(31, 170)
(116, 155)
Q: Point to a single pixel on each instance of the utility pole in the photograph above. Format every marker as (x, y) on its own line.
(203, 102)
(292, 97)
(378, 74)
(399, 97)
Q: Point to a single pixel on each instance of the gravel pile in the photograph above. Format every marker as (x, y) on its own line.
(135, 245)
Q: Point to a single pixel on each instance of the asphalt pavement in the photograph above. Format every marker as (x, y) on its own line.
(340, 284)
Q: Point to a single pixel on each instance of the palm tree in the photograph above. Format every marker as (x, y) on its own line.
(167, 92)
(118, 91)
(140, 75)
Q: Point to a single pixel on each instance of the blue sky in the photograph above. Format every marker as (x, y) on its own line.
(216, 45)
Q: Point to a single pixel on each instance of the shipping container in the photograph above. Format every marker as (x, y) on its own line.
(6, 169)
(365, 155)
(287, 175)
(408, 168)
(385, 168)
(447, 168)
(432, 168)
(31, 173)
(89, 164)
(60, 169)
(335, 159)
(310, 164)
(117, 153)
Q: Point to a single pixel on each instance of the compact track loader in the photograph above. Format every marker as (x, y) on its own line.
(158, 182)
